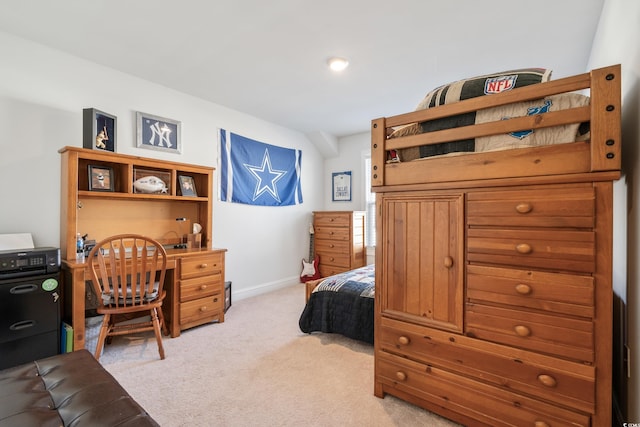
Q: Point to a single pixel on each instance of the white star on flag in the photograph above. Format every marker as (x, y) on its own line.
(266, 177)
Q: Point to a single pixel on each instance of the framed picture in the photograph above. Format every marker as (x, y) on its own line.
(341, 184)
(158, 133)
(98, 130)
(101, 178)
(187, 186)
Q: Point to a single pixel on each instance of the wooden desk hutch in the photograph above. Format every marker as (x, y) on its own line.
(195, 276)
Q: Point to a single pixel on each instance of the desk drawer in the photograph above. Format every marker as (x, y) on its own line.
(561, 336)
(199, 287)
(201, 265)
(201, 309)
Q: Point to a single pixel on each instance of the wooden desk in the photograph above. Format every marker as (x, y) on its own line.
(194, 283)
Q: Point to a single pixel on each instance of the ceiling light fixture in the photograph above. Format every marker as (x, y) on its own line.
(338, 64)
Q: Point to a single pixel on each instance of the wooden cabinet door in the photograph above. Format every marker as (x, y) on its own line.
(421, 277)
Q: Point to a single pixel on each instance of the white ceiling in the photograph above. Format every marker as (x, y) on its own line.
(268, 58)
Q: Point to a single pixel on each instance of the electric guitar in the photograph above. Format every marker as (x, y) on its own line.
(311, 269)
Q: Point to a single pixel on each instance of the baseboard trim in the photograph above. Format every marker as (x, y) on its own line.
(263, 288)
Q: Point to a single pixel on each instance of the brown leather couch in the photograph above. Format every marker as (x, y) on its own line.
(70, 389)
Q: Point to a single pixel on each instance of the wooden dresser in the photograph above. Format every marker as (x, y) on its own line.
(339, 240)
(494, 299)
(537, 271)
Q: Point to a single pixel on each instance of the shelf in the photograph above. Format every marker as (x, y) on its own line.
(117, 207)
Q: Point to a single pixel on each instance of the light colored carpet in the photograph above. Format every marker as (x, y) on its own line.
(258, 369)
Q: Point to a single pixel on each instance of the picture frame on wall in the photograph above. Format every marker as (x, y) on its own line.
(341, 186)
(158, 133)
(99, 130)
(101, 178)
(187, 186)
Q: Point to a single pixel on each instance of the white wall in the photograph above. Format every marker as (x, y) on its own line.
(351, 152)
(42, 94)
(616, 42)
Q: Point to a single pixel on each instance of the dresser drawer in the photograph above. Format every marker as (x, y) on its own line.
(330, 270)
(552, 207)
(565, 382)
(561, 336)
(201, 265)
(335, 259)
(470, 397)
(333, 246)
(200, 310)
(199, 287)
(553, 292)
(332, 233)
(549, 249)
(332, 219)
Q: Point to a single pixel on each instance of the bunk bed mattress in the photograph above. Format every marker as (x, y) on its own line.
(486, 86)
(342, 304)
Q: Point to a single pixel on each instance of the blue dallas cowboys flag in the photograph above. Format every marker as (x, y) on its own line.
(255, 173)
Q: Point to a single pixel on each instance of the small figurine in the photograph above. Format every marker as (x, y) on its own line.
(102, 136)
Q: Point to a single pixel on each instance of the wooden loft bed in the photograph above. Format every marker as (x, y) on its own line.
(600, 154)
(493, 274)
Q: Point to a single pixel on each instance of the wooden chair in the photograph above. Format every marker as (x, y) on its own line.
(128, 272)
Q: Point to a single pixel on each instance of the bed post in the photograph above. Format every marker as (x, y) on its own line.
(606, 143)
(378, 152)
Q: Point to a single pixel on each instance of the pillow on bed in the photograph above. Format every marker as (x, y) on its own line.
(458, 91)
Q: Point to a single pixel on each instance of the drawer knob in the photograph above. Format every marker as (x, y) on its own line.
(522, 330)
(523, 248)
(523, 289)
(403, 340)
(203, 308)
(205, 265)
(401, 376)
(547, 380)
(448, 262)
(524, 208)
(203, 287)
(540, 424)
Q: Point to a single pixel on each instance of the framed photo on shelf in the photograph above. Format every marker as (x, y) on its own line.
(341, 185)
(158, 133)
(187, 186)
(101, 178)
(98, 130)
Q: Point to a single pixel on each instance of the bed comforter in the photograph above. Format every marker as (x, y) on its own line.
(342, 304)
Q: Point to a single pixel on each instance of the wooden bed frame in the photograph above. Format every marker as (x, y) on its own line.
(516, 245)
(601, 154)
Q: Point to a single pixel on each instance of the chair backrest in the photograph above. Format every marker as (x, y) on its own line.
(127, 269)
